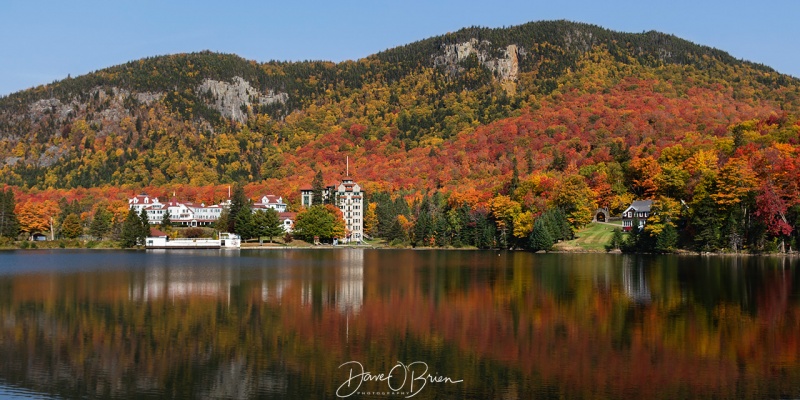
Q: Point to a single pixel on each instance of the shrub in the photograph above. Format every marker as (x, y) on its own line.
(193, 233)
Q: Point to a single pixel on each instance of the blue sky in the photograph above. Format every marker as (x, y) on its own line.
(44, 41)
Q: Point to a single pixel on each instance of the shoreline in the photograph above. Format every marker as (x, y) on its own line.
(683, 253)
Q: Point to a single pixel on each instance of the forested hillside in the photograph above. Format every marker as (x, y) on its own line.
(540, 113)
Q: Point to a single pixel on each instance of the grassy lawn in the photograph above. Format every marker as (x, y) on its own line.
(593, 237)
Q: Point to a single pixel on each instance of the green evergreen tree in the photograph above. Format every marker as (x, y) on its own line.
(131, 229)
(384, 212)
(396, 232)
(317, 188)
(101, 223)
(562, 225)
(617, 240)
(9, 224)
(484, 229)
(244, 226)
(442, 230)
(514, 184)
(221, 224)
(635, 240)
(238, 202)
(267, 224)
(144, 227)
(707, 225)
(423, 227)
(71, 228)
(540, 238)
(667, 239)
(166, 220)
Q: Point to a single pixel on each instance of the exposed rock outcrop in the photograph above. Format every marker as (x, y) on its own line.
(505, 67)
(228, 98)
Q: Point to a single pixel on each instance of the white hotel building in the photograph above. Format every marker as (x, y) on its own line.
(349, 198)
(192, 214)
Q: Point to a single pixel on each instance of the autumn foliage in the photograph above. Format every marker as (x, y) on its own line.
(577, 129)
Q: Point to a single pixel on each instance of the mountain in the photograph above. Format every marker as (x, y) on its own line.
(457, 111)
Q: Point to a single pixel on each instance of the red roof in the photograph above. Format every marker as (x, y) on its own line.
(287, 215)
(156, 233)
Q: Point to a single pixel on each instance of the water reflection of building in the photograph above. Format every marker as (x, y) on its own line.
(181, 282)
(339, 285)
(634, 281)
(350, 289)
(275, 291)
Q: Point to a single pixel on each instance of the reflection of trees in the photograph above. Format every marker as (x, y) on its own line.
(508, 323)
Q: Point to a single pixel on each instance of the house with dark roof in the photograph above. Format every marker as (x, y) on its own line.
(639, 209)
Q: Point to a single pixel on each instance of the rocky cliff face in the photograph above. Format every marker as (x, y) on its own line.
(103, 111)
(228, 98)
(505, 67)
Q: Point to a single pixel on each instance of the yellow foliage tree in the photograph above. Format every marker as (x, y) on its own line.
(736, 179)
(523, 225)
(577, 200)
(370, 219)
(663, 211)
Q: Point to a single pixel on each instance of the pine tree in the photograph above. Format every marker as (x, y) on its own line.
(514, 184)
(144, 227)
(101, 223)
(396, 232)
(131, 229)
(667, 239)
(267, 223)
(9, 224)
(317, 187)
(166, 220)
(71, 228)
(384, 214)
(616, 240)
(244, 226)
(541, 238)
(221, 224)
(423, 227)
(239, 201)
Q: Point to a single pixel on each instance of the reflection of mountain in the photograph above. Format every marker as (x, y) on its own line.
(505, 325)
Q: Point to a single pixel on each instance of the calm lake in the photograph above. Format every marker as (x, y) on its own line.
(384, 324)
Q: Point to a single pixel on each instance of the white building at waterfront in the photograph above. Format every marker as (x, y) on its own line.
(350, 199)
(141, 201)
(270, 201)
(184, 213)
